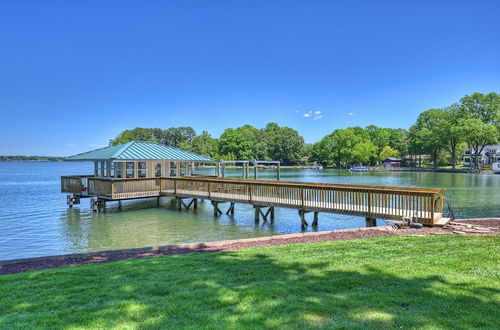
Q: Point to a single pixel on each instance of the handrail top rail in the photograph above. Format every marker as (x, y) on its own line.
(284, 183)
(77, 176)
(315, 184)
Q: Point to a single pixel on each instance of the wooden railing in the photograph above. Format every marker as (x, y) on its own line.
(73, 183)
(364, 200)
(370, 201)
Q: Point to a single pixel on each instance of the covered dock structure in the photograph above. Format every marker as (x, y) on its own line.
(142, 169)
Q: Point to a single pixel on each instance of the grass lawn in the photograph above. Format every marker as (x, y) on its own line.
(418, 282)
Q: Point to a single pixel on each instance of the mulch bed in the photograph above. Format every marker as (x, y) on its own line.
(485, 222)
(21, 265)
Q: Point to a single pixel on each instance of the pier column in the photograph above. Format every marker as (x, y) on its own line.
(230, 211)
(315, 220)
(371, 222)
(97, 204)
(217, 211)
(260, 213)
(72, 200)
(303, 222)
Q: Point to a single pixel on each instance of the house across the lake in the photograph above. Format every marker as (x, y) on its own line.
(489, 155)
(392, 162)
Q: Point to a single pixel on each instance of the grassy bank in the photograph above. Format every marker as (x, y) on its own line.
(434, 281)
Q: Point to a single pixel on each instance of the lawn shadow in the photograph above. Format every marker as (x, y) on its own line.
(249, 289)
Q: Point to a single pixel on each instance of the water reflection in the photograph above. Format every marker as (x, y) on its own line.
(144, 222)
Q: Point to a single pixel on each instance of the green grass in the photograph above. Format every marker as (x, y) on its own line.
(409, 282)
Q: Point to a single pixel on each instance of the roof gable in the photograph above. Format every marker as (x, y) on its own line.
(136, 150)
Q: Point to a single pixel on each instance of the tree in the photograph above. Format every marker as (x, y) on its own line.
(283, 143)
(485, 107)
(202, 144)
(389, 152)
(426, 135)
(139, 134)
(379, 136)
(244, 142)
(399, 139)
(324, 151)
(363, 152)
(478, 134)
(341, 147)
(449, 129)
(174, 136)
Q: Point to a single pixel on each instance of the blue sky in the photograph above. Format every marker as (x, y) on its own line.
(75, 74)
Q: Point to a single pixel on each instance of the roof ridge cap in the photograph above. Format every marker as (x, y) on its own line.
(122, 149)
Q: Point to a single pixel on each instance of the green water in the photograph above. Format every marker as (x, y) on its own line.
(34, 219)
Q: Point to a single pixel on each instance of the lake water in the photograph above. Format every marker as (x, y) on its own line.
(35, 221)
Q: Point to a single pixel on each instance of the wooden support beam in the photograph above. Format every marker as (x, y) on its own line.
(303, 221)
(180, 203)
(217, 211)
(230, 210)
(97, 204)
(260, 213)
(315, 220)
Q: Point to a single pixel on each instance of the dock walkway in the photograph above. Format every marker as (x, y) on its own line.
(385, 202)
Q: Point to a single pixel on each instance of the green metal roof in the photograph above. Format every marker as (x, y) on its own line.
(136, 150)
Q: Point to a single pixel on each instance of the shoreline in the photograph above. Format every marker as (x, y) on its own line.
(478, 226)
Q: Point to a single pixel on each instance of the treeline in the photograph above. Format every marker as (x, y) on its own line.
(273, 142)
(30, 158)
(473, 122)
(442, 134)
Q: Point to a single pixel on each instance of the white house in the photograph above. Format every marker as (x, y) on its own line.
(489, 155)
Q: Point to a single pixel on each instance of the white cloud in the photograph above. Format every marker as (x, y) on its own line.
(70, 144)
(314, 115)
(98, 145)
(351, 114)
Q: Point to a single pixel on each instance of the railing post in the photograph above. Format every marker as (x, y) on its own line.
(175, 187)
(441, 202)
(209, 190)
(433, 201)
(370, 201)
(302, 197)
(250, 193)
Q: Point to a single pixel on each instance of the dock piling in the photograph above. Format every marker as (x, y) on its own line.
(260, 213)
(97, 204)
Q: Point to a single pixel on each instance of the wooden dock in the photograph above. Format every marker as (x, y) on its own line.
(423, 205)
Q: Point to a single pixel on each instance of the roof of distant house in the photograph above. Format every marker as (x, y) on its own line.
(137, 150)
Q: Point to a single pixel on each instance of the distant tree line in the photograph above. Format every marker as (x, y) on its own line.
(30, 158)
(273, 142)
(442, 134)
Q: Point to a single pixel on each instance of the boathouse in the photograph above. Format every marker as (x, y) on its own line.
(134, 160)
(143, 170)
